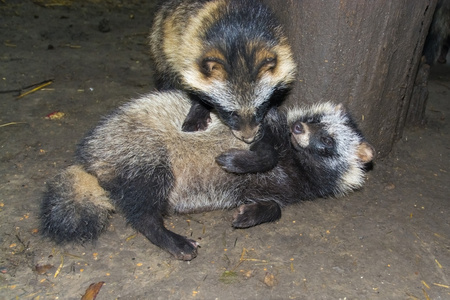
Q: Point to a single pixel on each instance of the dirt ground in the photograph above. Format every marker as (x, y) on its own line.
(390, 240)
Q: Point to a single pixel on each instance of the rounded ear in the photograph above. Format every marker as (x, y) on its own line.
(366, 152)
(213, 68)
(340, 107)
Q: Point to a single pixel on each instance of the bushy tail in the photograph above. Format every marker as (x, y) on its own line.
(75, 208)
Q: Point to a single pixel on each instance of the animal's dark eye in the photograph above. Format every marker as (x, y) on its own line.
(265, 64)
(313, 120)
(233, 120)
(327, 141)
(297, 127)
(271, 62)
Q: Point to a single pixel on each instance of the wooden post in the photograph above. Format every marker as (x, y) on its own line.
(365, 54)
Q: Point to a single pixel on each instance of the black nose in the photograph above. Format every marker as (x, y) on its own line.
(297, 127)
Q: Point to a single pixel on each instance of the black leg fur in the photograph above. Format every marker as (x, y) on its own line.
(143, 202)
(197, 118)
(152, 227)
(252, 214)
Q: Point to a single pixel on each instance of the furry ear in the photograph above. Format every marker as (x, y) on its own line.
(213, 68)
(366, 152)
(212, 64)
(340, 107)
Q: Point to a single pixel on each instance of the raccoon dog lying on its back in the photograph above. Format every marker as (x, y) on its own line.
(139, 161)
(230, 55)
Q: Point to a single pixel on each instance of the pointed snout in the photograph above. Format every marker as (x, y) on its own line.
(248, 134)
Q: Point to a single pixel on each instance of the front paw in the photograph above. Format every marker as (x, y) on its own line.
(195, 125)
(231, 161)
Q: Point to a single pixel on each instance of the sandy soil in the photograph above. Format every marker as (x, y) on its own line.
(390, 240)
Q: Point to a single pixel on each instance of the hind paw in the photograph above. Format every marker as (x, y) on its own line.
(248, 215)
(245, 216)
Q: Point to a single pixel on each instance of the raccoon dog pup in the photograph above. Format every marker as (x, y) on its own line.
(230, 55)
(143, 165)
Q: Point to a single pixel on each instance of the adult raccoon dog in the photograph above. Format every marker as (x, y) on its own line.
(139, 161)
(230, 55)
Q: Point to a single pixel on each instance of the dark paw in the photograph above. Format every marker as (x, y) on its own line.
(231, 161)
(195, 125)
(245, 216)
(252, 214)
(185, 249)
